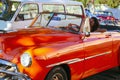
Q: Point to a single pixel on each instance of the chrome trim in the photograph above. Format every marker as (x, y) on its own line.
(71, 61)
(75, 60)
(101, 54)
(6, 62)
(14, 72)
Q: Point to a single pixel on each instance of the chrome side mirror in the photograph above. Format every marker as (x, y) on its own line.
(87, 34)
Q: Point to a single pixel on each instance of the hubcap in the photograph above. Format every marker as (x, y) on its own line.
(57, 76)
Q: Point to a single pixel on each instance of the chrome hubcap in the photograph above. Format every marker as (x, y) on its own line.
(57, 76)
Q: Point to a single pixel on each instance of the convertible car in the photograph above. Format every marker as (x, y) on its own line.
(57, 46)
(106, 18)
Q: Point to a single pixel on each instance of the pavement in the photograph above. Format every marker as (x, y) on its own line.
(111, 74)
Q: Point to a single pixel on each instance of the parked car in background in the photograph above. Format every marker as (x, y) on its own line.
(14, 13)
(62, 49)
(106, 18)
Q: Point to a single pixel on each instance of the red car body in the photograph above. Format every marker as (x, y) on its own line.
(79, 56)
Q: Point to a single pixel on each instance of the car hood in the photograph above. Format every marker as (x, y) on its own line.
(15, 43)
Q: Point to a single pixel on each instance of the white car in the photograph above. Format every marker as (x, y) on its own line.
(17, 14)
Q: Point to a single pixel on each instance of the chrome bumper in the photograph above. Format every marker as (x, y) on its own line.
(10, 71)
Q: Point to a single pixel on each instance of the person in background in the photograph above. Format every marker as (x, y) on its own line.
(94, 25)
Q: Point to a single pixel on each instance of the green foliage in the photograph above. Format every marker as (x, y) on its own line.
(85, 2)
(111, 3)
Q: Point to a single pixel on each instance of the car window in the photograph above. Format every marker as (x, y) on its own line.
(7, 10)
(28, 11)
(74, 9)
(58, 21)
(53, 8)
(105, 13)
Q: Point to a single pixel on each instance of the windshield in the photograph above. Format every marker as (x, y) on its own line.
(59, 21)
(104, 13)
(7, 9)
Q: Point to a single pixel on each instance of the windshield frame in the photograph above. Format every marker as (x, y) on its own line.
(53, 14)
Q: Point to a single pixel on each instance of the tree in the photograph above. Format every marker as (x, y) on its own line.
(111, 3)
(85, 2)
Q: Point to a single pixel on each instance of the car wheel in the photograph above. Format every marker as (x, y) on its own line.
(57, 73)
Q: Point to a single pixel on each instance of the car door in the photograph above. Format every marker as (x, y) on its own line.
(98, 51)
(115, 60)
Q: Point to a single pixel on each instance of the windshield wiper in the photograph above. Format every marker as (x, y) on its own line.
(50, 18)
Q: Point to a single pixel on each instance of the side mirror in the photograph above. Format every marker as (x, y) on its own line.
(87, 34)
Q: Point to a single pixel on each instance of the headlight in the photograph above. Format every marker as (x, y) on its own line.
(26, 60)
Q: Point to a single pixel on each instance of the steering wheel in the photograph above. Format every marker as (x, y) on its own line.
(73, 27)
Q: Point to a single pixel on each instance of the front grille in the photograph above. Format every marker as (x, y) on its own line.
(9, 71)
(7, 67)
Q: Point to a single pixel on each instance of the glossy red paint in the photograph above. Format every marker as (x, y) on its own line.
(50, 48)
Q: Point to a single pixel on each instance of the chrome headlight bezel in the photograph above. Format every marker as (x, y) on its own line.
(26, 60)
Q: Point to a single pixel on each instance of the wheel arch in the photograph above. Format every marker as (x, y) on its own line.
(65, 67)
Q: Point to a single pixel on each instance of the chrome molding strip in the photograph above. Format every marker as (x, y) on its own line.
(72, 61)
(12, 73)
(23, 77)
(5, 62)
(105, 53)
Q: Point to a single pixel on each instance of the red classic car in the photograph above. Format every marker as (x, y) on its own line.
(106, 17)
(57, 46)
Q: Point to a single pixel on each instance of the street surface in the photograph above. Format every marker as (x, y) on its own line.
(111, 74)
